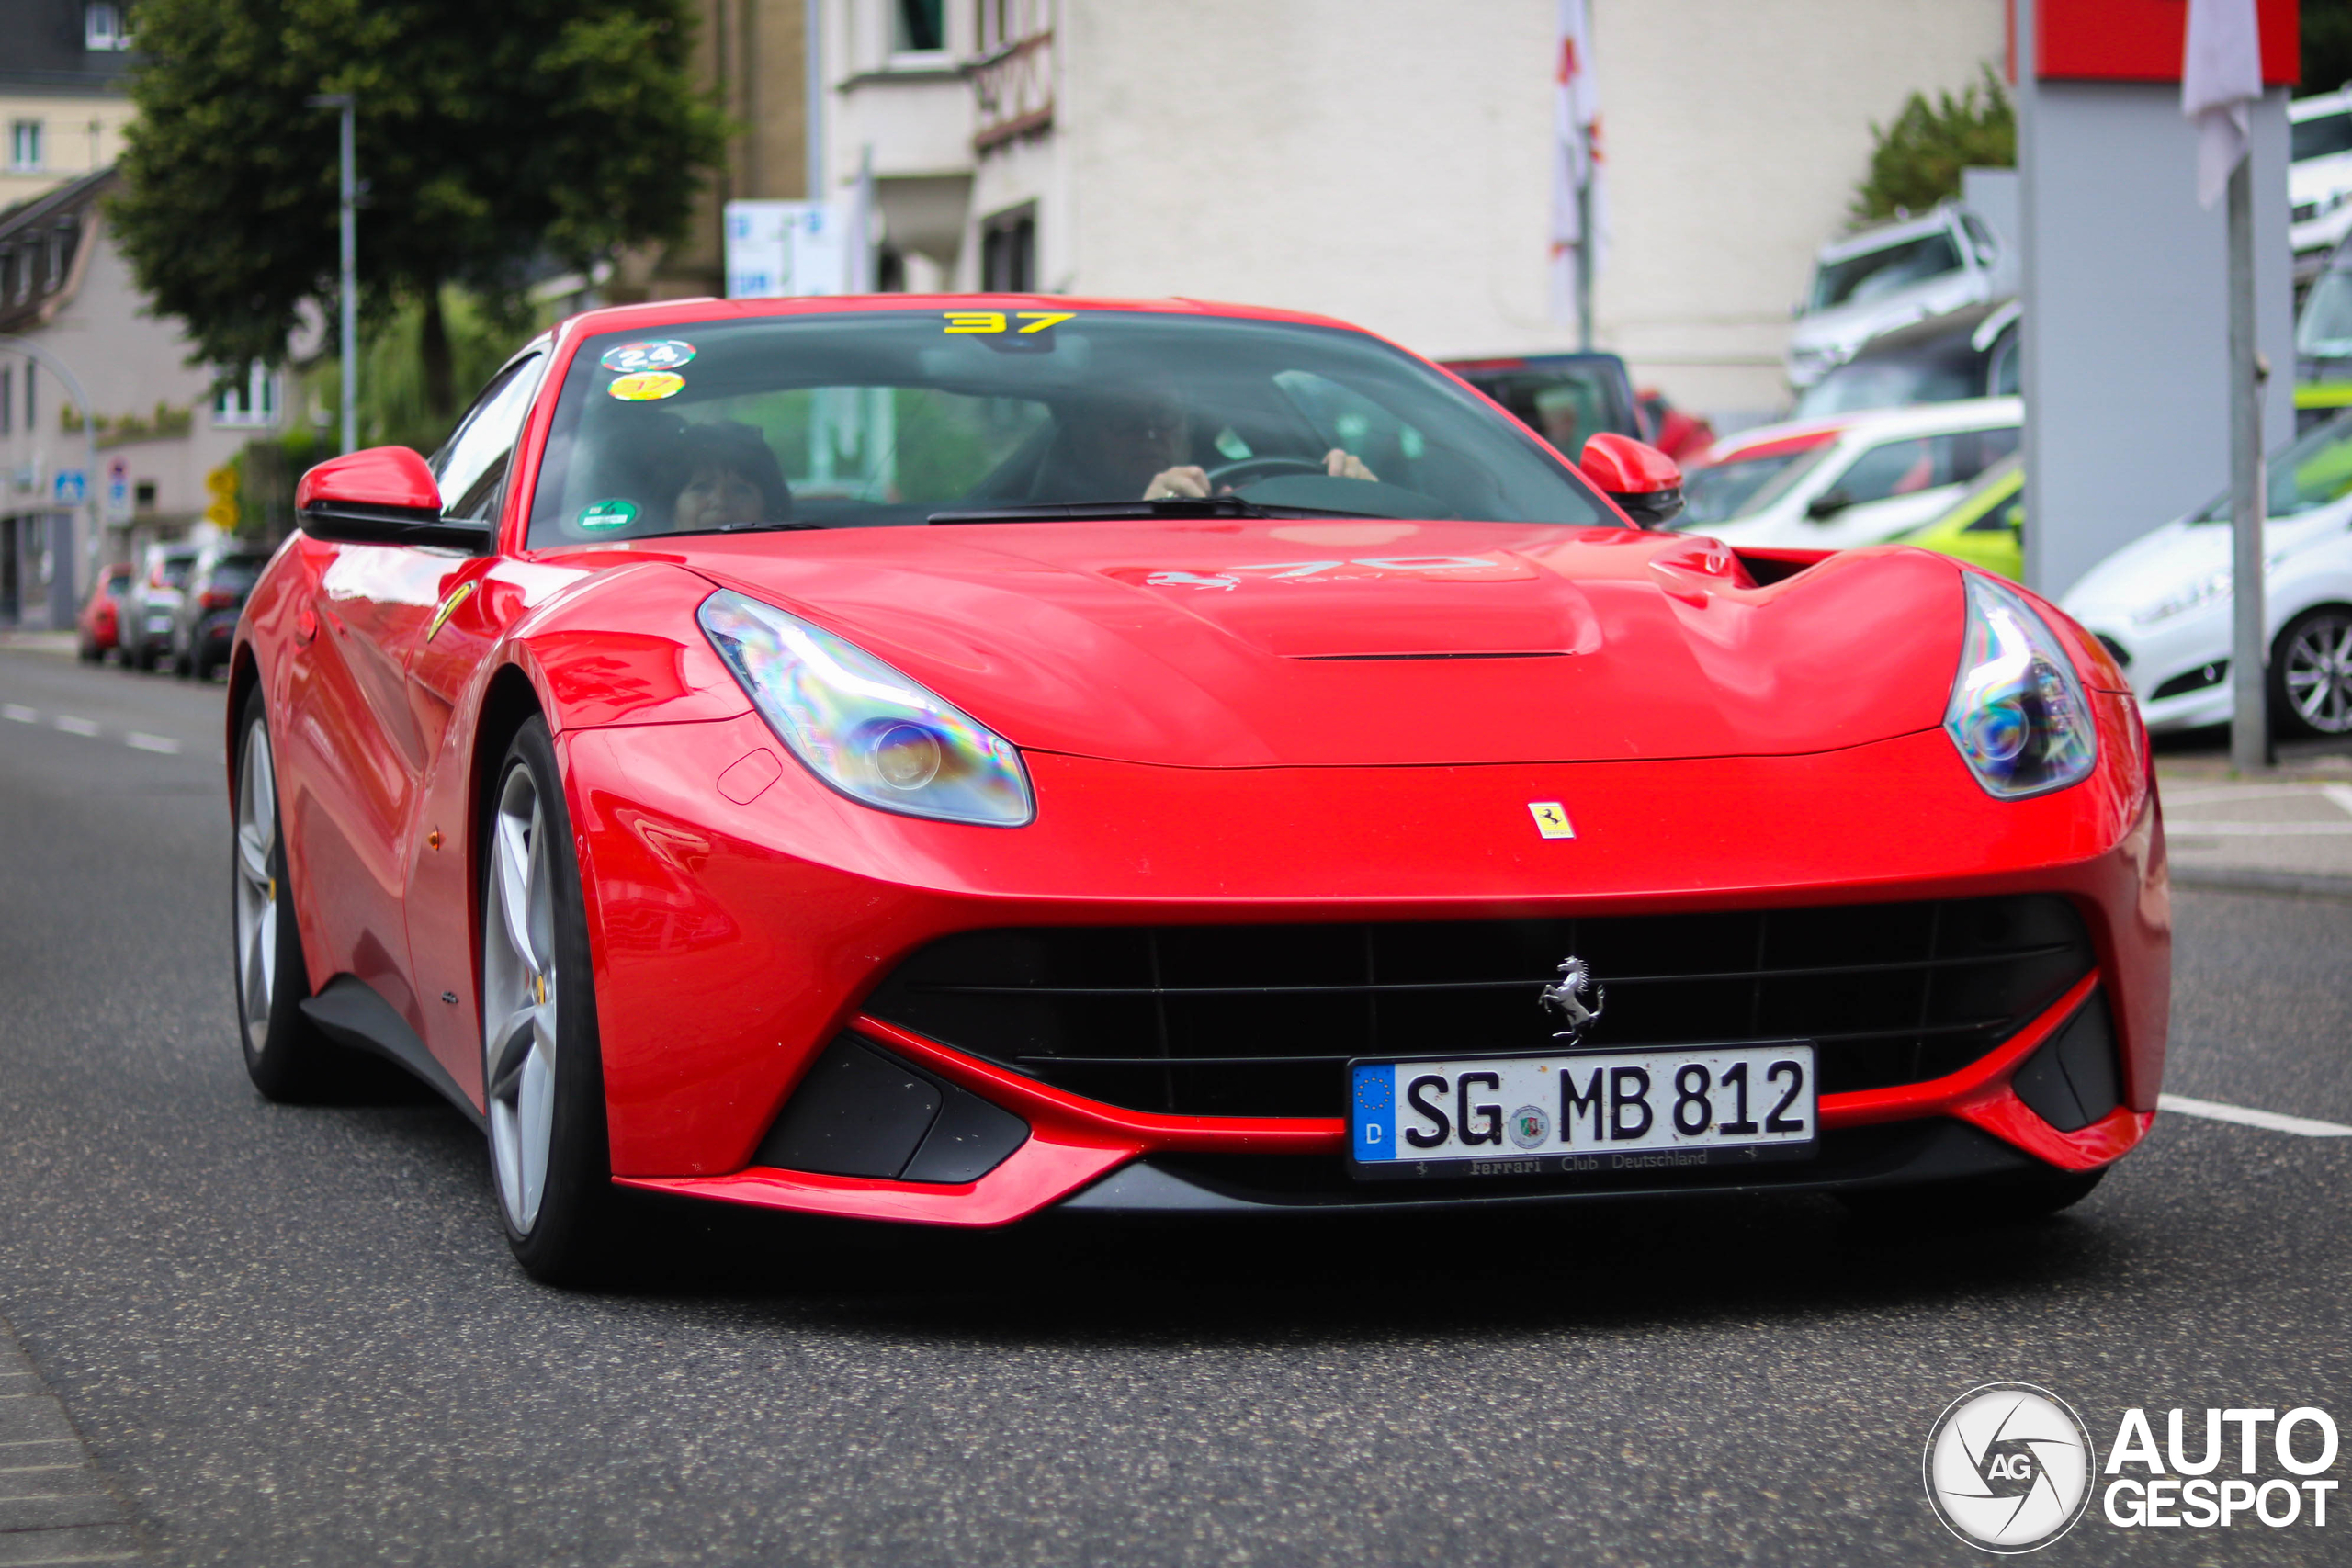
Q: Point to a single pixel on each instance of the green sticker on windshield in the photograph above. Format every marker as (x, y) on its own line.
(609, 514)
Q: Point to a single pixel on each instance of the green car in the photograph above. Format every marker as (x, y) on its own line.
(1985, 526)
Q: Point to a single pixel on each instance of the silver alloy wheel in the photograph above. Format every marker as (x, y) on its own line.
(519, 998)
(2317, 672)
(256, 885)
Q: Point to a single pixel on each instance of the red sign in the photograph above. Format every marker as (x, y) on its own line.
(2142, 41)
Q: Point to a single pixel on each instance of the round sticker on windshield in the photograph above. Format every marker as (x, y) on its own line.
(666, 355)
(608, 515)
(646, 386)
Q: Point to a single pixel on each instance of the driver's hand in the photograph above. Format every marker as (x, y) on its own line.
(1190, 481)
(1345, 465)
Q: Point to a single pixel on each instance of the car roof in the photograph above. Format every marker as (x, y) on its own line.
(708, 308)
(1934, 220)
(2319, 103)
(1871, 424)
(1769, 440)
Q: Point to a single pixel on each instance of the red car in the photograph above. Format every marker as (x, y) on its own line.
(100, 621)
(941, 759)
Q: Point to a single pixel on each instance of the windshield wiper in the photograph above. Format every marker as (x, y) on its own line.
(1103, 510)
(761, 528)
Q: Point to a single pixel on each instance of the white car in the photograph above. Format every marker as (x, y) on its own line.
(1874, 475)
(1890, 277)
(2161, 602)
(2319, 174)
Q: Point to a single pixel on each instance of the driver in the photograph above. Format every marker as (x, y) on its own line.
(1108, 443)
(727, 477)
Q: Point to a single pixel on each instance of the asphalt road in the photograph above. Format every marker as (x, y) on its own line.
(294, 1335)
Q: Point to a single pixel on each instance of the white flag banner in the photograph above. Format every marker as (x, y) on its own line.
(2221, 76)
(1576, 160)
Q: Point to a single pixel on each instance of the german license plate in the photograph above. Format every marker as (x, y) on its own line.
(1596, 1113)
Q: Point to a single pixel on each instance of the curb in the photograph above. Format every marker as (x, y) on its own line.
(2295, 884)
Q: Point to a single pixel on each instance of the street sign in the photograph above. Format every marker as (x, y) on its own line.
(71, 484)
(786, 247)
(222, 482)
(118, 489)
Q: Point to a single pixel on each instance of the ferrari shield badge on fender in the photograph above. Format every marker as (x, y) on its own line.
(449, 608)
(1550, 819)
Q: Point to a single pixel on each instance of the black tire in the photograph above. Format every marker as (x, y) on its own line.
(88, 652)
(205, 665)
(1992, 1200)
(183, 665)
(2309, 678)
(569, 1239)
(286, 1056)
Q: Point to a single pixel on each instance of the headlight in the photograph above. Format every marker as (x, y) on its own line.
(2209, 587)
(2017, 712)
(862, 727)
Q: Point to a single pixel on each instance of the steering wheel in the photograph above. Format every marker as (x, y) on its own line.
(1248, 469)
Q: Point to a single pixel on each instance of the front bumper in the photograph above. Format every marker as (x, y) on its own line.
(2168, 651)
(735, 940)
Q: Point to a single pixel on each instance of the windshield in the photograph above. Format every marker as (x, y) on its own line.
(1874, 274)
(2321, 136)
(1721, 491)
(2325, 330)
(851, 419)
(2316, 470)
(1890, 383)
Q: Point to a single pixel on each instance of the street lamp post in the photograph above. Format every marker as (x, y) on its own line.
(346, 103)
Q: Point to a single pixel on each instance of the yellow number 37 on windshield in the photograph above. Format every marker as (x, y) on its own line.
(994, 321)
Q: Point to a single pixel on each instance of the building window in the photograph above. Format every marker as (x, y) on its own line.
(252, 401)
(1009, 252)
(102, 25)
(918, 27)
(24, 145)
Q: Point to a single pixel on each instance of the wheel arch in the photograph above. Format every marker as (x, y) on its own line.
(510, 701)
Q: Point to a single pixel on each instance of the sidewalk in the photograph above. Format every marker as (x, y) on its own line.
(2287, 832)
(39, 642)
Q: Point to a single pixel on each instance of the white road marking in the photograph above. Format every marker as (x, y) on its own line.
(72, 726)
(2255, 830)
(2173, 798)
(20, 713)
(2270, 1120)
(2340, 794)
(162, 743)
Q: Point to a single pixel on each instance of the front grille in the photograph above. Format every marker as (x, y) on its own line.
(2194, 680)
(1260, 1021)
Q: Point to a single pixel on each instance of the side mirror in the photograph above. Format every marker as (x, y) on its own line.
(384, 495)
(1645, 483)
(1828, 504)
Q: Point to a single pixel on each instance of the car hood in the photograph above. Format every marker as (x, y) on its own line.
(1849, 325)
(2168, 559)
(1255, 644)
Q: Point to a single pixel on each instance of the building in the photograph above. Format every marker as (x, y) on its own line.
(159, 423)
(63, 104)
(1385, 161)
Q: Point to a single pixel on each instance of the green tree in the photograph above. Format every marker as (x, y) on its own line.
(491, 136)
(1916, 161)
(2327, 44)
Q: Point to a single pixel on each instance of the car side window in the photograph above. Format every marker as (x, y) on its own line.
(471, 465)
(1901, 467)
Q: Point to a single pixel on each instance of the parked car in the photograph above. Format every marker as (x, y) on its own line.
(1971, 353)
(1567, 398)
(1890, 277)
(1723, 479)
(206, 618)
(2323, 342)
(1986, 525)
(2319, 174)
(2162, 604)
(1677, 432)
(100, 621)
(152, 601)
(1879, 475)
